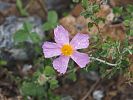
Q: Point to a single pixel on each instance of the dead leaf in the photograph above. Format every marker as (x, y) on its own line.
(115, 3)
(104, 11)
(77, 10)
(116, 31)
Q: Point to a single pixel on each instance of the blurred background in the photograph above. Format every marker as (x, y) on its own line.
(26, 75)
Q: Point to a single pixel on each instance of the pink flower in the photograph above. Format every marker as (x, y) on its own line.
(66, 49)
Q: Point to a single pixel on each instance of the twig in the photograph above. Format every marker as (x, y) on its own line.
(105, 62)
(42, 5)
(29, 4)
(97, 27)
(91, 89)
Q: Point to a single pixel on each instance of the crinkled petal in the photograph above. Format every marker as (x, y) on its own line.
(80, 58)
(80, 41)
(61, 35)
(61, 63)
(51, 49)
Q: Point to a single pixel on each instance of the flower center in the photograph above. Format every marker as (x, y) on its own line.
(67, 50)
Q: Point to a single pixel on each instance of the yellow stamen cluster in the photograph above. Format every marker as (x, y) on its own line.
(67, 50)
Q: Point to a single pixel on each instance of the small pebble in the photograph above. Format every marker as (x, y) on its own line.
(98, 95)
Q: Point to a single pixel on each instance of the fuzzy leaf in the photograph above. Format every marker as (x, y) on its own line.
(49, 71)
(52, 17)
(34, 37)
(20, 36)
(32, 89)
(85, 3)
(53, 83)
(20, 8)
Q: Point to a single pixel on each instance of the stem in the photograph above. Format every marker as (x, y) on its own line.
(91, 90)
(97, 27)
(105, 62)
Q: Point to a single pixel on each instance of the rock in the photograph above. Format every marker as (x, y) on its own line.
(7, 30)
(90, 76)
(66, 98)
(26, 68)
(18, 54)
(59, 5)
(4, 6)
(98, 95)
(110, 17)
(12, 24)
(7, 9)
(8, 1)
(75, 24)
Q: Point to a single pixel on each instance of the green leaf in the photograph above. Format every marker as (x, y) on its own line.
(27, 26)
(47, 62)
(96, 8)
(42, 79)
(21, 36)
(72, 76)
(32, 89)
(53, 83)
(52, 17)
(105, 46)
(53, 96)
(126, 22)
(20, 8)
(19, 4)
(52, 21)
(90, 24)
(117, 10)
(48, 26)
(75, 1)
(86, 14)
(130, 8)
(85, 3)
(3, 62)
(131, 32)
(34, 37)
(49, 71)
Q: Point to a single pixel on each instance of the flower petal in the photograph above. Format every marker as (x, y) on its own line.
(80, 41)
(51, 49)
(60, 64)
(80, 58)
(61, 35)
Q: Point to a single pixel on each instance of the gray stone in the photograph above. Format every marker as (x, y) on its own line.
(68, 97)
(4, 5)
(7, 30)
(98, 95)
(59, 5)
(92, 75)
